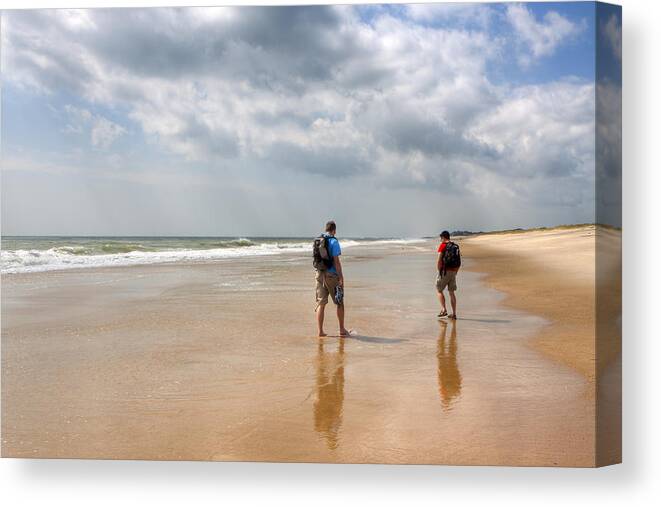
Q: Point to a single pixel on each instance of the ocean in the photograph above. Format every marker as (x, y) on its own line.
(26, 254)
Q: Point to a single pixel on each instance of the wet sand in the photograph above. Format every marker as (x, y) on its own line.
(220, 361)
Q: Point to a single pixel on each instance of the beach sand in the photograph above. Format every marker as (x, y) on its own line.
(571, 276)
(219, 361)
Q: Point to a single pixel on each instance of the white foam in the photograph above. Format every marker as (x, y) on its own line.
(58, 258)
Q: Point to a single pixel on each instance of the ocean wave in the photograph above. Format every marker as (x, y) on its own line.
(29, 261)
(112, 248)
(73, 250)
(122, 247)
(227, 243)
(129, 254)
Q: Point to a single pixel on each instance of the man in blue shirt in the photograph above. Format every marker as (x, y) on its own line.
(328, 282)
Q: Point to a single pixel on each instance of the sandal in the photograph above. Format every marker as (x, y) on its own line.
(444, 313)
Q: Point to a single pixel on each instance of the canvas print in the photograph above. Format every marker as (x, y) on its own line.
(339, 234)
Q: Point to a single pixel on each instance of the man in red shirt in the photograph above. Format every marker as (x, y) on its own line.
(447, 277)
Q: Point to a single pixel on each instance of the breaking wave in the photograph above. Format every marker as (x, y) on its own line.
(121, 253)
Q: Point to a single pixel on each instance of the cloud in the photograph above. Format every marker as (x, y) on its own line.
(317, 160)
(78, 119)
(542, 130)
(609, 128)
(461, 13)
(612, 32)
(608, 151)
(102, 131)
(540, 39)
(402, 101)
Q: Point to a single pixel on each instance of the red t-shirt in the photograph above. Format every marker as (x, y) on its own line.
(441, 248)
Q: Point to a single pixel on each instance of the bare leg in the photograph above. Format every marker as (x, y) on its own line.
(453, 302)
(441, 298)
(320, 319)
(340, 318)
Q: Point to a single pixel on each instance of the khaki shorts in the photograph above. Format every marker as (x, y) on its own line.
(326, 283)
(449, 280)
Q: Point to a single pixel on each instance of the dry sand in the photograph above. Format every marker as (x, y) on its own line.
(551, 273)
(220, 361)
(571, 276)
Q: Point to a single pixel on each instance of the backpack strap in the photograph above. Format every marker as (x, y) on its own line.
(444, 271)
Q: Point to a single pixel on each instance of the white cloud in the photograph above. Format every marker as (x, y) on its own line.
(317, 92)
(612, 31)
(462, 13)
(540, 39)
(76, 19)
(78, 119)
(543, 131)
(102, 131)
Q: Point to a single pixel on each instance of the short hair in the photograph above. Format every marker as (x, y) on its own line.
(445, 235)
(330, 226)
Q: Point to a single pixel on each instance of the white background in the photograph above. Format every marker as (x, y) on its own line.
(636, 482)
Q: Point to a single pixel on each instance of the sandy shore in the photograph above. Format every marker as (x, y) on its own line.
(550, 274)
(219, 361)
(571, 277)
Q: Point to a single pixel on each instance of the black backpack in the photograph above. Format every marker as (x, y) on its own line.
(451, 256)
(321, 258)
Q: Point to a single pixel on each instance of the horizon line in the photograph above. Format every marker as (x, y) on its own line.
(455, 232)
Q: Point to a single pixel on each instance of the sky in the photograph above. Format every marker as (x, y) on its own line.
(608, 124)
(396, 120)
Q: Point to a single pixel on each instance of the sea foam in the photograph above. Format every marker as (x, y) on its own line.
(72, 257)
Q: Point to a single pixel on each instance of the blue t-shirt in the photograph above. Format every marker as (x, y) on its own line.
(334, 250)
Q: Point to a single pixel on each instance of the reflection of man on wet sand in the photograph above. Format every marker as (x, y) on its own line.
(330, 393)
(449, 378)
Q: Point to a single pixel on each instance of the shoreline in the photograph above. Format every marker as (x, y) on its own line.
(160, 362)
(562, 294)
(88, 253)
(582, 303)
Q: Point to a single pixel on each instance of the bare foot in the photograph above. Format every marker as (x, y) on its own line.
(322, 334)
(344, 332)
